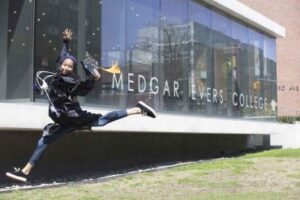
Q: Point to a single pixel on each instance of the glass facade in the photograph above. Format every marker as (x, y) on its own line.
(179, 56)
(16, 49)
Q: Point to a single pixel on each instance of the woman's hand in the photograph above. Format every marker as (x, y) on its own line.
(67, 34)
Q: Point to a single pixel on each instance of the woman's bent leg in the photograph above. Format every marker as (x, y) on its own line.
(40, 148)
(51, 133)
(110, 117)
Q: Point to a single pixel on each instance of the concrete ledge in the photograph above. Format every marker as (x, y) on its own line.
(34, 116)
(288, 138)
(83, 155)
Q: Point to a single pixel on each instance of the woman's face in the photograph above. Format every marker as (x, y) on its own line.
(67, 67)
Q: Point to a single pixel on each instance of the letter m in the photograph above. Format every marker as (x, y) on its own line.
(117, 83)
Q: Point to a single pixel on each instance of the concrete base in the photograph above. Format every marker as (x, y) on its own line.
(289, 137)
(89, 153)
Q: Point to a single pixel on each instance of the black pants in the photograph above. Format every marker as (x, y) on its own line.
(54, 131)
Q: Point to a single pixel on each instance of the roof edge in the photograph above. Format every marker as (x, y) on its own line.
(249, 15)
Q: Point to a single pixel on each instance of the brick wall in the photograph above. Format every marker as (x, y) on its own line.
(287, 14)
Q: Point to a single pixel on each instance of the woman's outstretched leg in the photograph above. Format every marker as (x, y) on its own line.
(140, 108)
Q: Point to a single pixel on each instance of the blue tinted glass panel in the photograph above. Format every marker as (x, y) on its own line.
(201, 59)
(142, 33)
(16, 33)
(174, 51)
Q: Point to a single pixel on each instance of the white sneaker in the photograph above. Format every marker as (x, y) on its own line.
(146, 110)
(17, 175)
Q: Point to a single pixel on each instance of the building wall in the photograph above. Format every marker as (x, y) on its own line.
(287, 14)
(197, 60)
(132, 142)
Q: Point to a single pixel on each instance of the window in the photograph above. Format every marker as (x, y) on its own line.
(224, 61)
(180, 56)
(142, 51)
(52, 17)
(16, 49)
(174, 51)
(200, 19)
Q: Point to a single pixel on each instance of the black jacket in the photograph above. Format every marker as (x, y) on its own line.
(64, 107)
(63, 91)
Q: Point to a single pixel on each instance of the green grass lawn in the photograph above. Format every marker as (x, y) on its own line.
(270, 175)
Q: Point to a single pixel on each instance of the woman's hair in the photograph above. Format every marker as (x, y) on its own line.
(69, 56)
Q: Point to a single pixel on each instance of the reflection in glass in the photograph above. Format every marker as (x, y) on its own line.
(175, 34)
(51, 20)
(112, 46)
(224, 60)
(255, 72)
(179, 56)
(240, 46)
(270, 83)
(16, 31)
(141, 50)
(201, 53)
